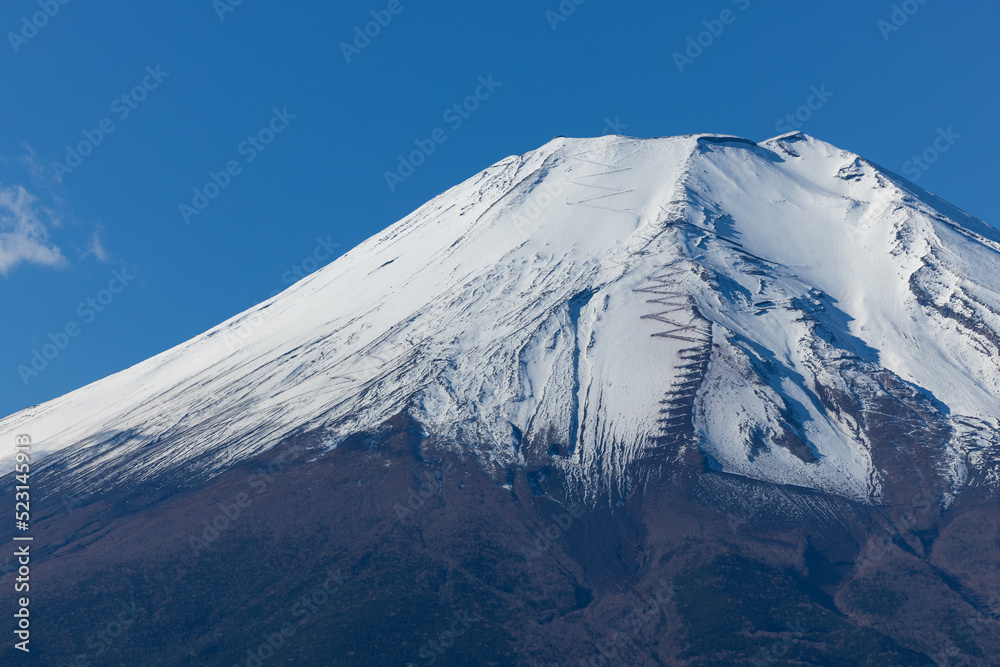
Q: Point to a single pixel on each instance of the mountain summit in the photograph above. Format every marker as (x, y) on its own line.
(600, 307)
(686, 401)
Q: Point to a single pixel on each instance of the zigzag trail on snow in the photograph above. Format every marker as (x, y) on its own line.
(594, 304)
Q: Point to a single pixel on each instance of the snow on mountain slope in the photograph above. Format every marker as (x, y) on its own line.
(590, 305)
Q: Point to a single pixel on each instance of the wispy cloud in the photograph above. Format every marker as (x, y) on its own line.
(95, 247)
(33, 164)
(24, 235)
(41, 174)
(30, 216)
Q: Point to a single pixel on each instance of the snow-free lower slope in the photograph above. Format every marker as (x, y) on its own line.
(590, 305)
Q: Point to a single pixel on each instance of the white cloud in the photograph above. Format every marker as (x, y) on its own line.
(41, 174)
(96, 248)
(23, 235)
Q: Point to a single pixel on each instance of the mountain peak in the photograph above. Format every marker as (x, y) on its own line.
(601, 307)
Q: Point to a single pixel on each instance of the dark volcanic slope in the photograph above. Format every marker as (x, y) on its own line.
(365, 563)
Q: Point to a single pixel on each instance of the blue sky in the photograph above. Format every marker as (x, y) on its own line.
(108, 255)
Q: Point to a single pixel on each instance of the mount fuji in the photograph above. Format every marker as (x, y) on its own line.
(777, 338)
(594, 305)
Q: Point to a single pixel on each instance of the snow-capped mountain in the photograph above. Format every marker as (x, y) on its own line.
(786, 310)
